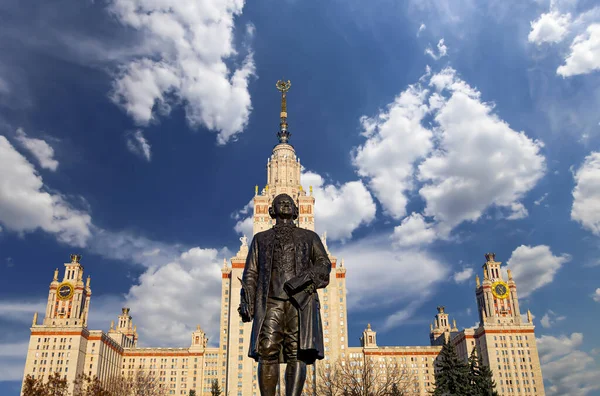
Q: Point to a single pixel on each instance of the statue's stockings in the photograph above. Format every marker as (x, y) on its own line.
(268, 377)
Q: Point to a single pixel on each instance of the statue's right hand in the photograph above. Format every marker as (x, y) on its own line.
(244, 311)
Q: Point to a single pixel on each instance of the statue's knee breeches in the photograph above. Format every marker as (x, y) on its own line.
(279, 332)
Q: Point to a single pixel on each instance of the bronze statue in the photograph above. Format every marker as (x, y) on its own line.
(284, 268)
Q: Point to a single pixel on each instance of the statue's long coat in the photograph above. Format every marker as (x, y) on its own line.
(312, 262)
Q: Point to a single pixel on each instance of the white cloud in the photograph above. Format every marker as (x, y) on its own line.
(524, 317)
(550, 319)
(551, 27)
(596, 295)
(534, 267)
(568, 370)
(541, 199)
(413, 231)
(138, 145)
(41, 150)
(14, 350)
(192, 283)
(132, 248)
(442, 50)
(12, 360)
(396, 140)
(421, 28)
(586, 194)
(189, 45)
(339, 209)
(471, 159)
(245, 220)
(21, 311)
(585, 53)
(25, 205)
(479, 162)
(462, 276)
(403, 289)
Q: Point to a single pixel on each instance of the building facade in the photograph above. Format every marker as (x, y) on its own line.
(63, 343)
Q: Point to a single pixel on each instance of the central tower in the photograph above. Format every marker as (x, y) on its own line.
(283, 177)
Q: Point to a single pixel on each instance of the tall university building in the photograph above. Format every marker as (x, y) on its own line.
(63, 343)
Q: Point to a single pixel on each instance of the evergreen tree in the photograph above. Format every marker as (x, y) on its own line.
(474, 371)
(452, 377)
(483, 381)
(480, 377)
(215, 389)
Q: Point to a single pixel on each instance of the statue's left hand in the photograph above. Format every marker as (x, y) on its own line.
(244, 311)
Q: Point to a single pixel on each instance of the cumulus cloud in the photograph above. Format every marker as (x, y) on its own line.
(192, 283)
(586, 194)
(138, 145)
(403, 288)
(39, 148)
(551, 27)
(466, 161)
(442, 50)
(421, 28)
(413, 231)
(462, 276)
(585, 53)
(339, 208)
(396, 140)
(596, 295)
(550, 319)
(534, 267)
(26, 206)
(190, 49)
(479, 162)
(567, 369)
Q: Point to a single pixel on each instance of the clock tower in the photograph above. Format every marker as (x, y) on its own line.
(69, 300)
(497, 299)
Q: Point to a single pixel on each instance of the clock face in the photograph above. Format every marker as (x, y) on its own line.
(65, 291)
(500, 289)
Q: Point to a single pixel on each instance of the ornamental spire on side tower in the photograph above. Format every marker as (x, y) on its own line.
(283, 134)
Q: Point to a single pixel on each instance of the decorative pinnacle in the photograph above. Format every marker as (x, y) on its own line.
(283, 87)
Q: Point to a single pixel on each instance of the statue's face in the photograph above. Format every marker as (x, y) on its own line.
(284, 206)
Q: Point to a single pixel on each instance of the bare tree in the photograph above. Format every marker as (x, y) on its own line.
(85, 385)
(55, 386)
(143, 383)
(33, 386)
(361, 377)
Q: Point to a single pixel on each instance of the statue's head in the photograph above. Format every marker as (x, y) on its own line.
(283, 207)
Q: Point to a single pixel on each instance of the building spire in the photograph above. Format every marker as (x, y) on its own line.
(283, 134)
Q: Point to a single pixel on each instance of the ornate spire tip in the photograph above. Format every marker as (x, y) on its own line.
(283, 87)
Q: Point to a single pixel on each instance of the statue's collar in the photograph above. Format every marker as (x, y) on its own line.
(284, 226)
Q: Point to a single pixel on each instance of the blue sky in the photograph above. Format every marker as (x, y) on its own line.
(133, 132)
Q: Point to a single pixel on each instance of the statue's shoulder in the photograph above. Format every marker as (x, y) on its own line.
(259, 236)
